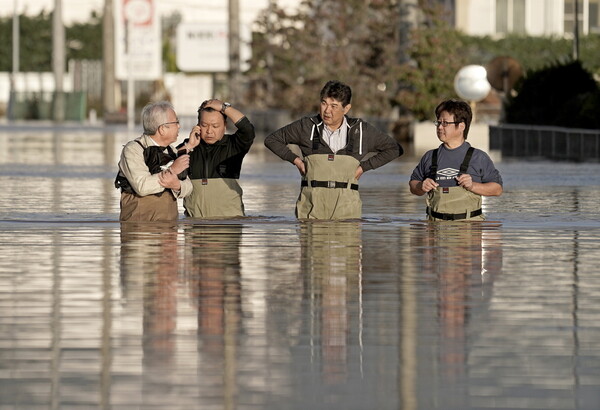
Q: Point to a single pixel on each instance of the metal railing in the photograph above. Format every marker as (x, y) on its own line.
(556, 143)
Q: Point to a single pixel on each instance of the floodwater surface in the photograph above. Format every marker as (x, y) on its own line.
(265, 312)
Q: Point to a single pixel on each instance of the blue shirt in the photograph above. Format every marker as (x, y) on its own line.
(481, 168)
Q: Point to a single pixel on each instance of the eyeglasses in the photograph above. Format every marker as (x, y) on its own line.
(168, 123)
(445, 123)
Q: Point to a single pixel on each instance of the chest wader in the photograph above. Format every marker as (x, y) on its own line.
(148, 208)
(155, 207)
(214, 198)
(329, 189)
(453, 203)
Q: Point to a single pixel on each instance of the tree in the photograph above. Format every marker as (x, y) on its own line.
(349, 40)
(563, 95)
(436, 55)
(84, 41)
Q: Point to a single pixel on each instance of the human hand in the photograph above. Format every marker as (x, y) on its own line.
(465, 181)
(213, 103)
(168, 179)
(300, 165)
(359, 172)
(428, 184)
(180, 164)
(194, 138)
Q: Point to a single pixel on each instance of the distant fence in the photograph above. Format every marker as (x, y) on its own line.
(40, 105)
(556, 143)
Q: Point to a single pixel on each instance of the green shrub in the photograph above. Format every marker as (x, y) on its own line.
(564, 94)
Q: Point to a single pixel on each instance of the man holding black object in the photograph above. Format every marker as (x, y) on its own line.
(151, 175)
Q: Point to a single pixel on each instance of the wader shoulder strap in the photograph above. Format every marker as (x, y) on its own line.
(465, 164)
(316, 139)
(433, 167)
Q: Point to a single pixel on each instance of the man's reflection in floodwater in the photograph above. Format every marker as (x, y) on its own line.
(199, 263)
(332, 268)
(463, 259)
(213, 271)
(150, 260)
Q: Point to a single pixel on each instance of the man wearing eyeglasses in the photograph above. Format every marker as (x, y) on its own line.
(336, 151)
(216, 161)
(151, 175)
(455, 175)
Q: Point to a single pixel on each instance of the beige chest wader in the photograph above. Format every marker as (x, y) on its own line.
(214, 198)
(329, 188)
(453, 203)
(148, 208)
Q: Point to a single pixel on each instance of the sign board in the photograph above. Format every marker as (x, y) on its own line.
(203, 47)
(138, 48)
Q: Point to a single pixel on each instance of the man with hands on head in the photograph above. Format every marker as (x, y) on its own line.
(151, 176)
(455, 175)
(216, 161)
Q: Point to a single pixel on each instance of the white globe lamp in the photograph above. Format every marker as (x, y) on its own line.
(471, 84)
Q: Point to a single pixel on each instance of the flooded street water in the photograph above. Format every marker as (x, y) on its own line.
(265, 312)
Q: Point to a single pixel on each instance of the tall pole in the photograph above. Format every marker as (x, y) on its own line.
(108, 59)
(15, 45)
(576, 32)
(15, 61)
(58, 60)
(130, 80)
(234, 50)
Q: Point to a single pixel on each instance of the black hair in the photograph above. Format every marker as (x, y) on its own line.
(338, 91)
(203, 107)
(461, 111)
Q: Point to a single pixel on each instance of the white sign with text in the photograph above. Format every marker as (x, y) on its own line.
(138, 48)
(202, 47)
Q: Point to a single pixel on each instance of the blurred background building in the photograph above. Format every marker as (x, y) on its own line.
(202, 73)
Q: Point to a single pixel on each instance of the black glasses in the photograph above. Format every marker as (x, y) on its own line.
(168, 123)
(445, 123)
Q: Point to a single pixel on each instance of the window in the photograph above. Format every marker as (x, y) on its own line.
(510, 16)
(594, 16)
(588, 16)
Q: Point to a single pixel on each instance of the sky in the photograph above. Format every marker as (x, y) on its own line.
(80, 10)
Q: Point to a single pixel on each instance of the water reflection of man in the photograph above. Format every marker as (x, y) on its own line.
(216, 161)
(213, 270)
(332, 264)
(151, 176)
(337, 151)
(150, 262)
(463, 261)
(455, 175)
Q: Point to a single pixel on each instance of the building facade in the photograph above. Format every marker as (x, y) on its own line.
(527, 17)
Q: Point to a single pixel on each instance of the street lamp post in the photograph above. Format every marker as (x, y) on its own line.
(576, 32)
(58, 60)
(15, 59)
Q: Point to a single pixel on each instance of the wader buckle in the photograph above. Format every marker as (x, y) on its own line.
(328, 184)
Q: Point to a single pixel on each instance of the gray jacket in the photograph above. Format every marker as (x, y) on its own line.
(363, 139)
